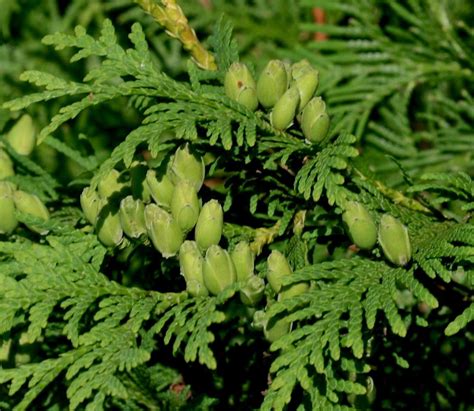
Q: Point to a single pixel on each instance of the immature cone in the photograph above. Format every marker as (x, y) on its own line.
(160, 189)
(191, 266)
(91, 204)
(109, 229)
(253, 291)
(276, 329)
(272, 83)
(243, 259)
(208, 230)
(299, 68)
(218, 270)
(110, 184)
(185, 166)
(31, 204)
(394, 239)
(185, 205)
(240, 86)
(6, 165)
(163, 230)
(315, 121)
(285, 108)
(306, 81)
(8, 221)
(277, 269)
(360, 225)
(22, 136)
(132, 217)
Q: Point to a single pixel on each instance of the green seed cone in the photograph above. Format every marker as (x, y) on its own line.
(191, 261)
(307, 84)
(91, 204)
(137, 180)
(186, 166)
(163, 230)
(394, 239)
(185, 205)
(22, 136)
(7, 188)
(191, 266)
(160, 189)
(314, 120)
(277, 269)
(272, 83)
(8, 221)
(240, 86)
(243, 259)
(285, 108)
(132, 217)
(218, 270)
(300, 68)
(319, 129)
(31, 204)
(208, 230)
(109, 229)
(253, 291)
(248, 98)
(110, 184)
(360, 225)
(276, 329)
(6, 165)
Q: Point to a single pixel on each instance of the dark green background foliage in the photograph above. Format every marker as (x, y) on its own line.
(86, 327)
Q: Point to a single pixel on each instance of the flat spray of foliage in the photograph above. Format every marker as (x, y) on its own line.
(86, 327)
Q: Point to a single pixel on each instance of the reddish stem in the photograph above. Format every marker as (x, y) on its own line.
(319, 17)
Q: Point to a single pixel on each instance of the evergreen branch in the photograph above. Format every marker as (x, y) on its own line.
(460, 321)
(317, 173)
(331, 316)
(110, 345)
(396, 196)
(449, 186)
(368, 63)
(436, 246)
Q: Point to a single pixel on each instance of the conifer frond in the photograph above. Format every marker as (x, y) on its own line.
(105, 82)
(447, 186)
(318, 175)
(439, 247)
(132, 73)
(189, 322)
(114, 327)
(460, 321)
(446, 143)
(333, 317)
(63, 276)
(369, 63)
(223, 43)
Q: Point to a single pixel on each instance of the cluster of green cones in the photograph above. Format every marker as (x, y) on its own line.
(286, 92)
(392, 235)
(22, 139)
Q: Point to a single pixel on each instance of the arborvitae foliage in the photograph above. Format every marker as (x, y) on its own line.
(86, 326)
